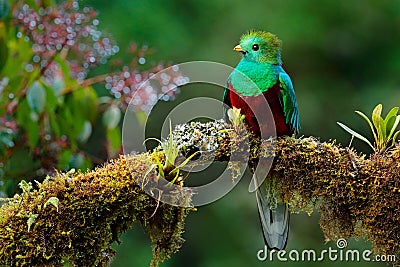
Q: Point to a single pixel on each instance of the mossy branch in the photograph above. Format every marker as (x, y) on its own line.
(356, 196)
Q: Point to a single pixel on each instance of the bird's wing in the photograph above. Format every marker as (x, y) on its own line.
(226, 98)
(289, 101)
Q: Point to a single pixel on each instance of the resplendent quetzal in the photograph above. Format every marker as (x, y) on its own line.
(262, 64)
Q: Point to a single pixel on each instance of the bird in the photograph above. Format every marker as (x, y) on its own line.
(262, 64)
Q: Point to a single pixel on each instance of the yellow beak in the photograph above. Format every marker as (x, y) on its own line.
(238, 48)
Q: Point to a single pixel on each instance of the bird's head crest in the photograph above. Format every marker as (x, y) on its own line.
(260, 46)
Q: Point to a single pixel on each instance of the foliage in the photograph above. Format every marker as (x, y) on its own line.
(49, 109)
(171, 149)
(236, 118)
(383, 129)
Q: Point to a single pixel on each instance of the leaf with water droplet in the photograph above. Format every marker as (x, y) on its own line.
(36, 97)
(112, 117)
(86, 132)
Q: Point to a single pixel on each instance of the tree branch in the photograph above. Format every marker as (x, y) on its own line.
(356, 196)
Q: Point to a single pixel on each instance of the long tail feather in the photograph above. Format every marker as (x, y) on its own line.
(274, 218)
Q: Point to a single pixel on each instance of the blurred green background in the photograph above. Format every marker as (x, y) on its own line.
(342, 56)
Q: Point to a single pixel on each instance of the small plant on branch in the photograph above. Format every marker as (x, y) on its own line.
(383, 129)
(171, 149)
(236, 118)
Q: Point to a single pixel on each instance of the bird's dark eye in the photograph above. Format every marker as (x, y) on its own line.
(255, 47)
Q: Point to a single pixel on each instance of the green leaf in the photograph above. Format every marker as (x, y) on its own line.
(20, 163)
(71, 119)
(85, 101)
(51, 99)
(394, 126)
(36, 97)
(31, 220)
(76, 161)
(4, 8)
(4, 51)
(369, 122)
(395, 137)
(64, 159)
(390, 119)
(86, 132)
(111, 117)
(28, 120)
(54, 124)
(355, 134)
(113, 141)
(66, 71)
(376, 116)
(183, 164)
(32, 133)
(52, 201)
(382, 131)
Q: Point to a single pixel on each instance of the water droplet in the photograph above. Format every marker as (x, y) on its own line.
(127, 74)
(75, 4)
(149, 89)
(28, 67)
(115, 49)
(32, 24)
(36, 58)
(96, 22)
(142, 60)
(108, 79)
(10, 95)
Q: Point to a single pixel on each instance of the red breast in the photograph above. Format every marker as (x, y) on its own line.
(251, 105)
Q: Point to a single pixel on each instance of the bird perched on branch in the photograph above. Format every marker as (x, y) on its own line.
(259, 87)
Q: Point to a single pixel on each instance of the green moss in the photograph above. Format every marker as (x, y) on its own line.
(94, 208)
(355, 195)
